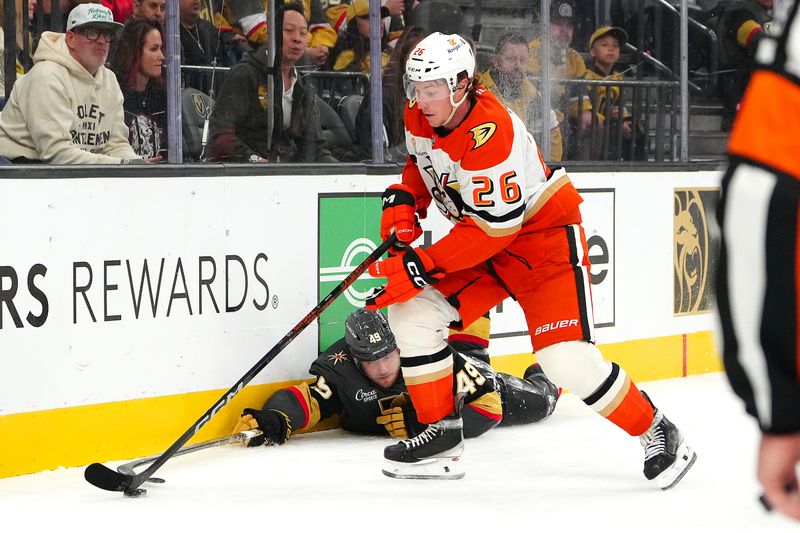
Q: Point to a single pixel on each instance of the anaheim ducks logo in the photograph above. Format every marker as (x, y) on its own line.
(482, 133)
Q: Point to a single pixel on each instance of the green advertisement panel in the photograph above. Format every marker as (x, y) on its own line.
(349, 230)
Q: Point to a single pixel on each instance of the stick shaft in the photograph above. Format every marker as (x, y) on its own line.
(140, 478)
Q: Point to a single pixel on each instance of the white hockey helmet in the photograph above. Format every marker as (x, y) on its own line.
(439, 57)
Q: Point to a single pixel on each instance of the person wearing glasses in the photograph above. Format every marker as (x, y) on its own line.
(68, 108)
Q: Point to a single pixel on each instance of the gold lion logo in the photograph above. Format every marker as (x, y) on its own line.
(481, 134)
(692, 251)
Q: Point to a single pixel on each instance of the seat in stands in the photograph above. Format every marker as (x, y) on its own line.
(348, 110)
(196, 107)
(337, 139)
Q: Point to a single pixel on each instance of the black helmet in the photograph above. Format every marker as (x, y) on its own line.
(368, 335)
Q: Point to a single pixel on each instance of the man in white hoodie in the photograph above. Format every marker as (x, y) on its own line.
(68, 108)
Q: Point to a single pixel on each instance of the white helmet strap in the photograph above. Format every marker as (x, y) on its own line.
(455, 105)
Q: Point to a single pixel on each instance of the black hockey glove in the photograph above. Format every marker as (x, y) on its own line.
(275, 426)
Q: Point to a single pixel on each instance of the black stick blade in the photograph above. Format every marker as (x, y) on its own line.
(104, 478)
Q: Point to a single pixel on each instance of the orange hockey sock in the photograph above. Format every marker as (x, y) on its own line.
(429, 379)
(634, 414)
(620, 401)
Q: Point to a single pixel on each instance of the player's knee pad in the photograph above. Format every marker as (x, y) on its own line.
(420, 324)
(578, 366)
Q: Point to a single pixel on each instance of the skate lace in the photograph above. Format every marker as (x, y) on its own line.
(654, 442)
(423, 438)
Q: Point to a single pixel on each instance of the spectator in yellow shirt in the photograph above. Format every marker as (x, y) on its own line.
(351, 53)
(506, 78)
(604, 47)
(565, 63)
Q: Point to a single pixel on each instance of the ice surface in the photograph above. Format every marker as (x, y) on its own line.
(573, 472)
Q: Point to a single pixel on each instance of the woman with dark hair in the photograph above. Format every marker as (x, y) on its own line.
(138, 64)
(394, 99)
(351, 53)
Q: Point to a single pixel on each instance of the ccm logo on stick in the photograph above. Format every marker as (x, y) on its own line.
(544, 328)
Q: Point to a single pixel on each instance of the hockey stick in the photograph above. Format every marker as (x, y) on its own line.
(103, 477)
(129, 469)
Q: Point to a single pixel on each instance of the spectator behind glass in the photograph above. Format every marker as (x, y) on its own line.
(506, 79)
(321, 38)
(238, 128)
(233, 42)
(565, 63)
(46, 7)
(394, 101)
(392, 16)
(121, 10)
(138, 65)
(604, 47)
(251, 17)
(351, 53)
(142, 9)
(200, 45)
(150, 9)
(68, 108)
(740, 26)
(20, 40)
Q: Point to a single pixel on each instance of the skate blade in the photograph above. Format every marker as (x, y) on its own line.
(683, 462)
(435, 468)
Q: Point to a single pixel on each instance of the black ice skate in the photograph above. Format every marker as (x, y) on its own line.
(667, 457)
(433, 454)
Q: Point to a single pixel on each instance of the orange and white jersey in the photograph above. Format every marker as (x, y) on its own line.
(486, 173)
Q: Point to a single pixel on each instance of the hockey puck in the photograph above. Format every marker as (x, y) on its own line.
(134, 493)
(156, 480)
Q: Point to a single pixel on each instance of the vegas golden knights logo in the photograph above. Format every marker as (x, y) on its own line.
(199, 105)
(262, 96)
(695, 249)
(482, 133)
